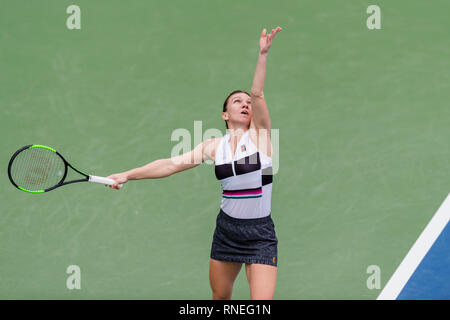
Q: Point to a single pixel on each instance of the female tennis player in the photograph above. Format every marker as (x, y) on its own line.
(244, 231)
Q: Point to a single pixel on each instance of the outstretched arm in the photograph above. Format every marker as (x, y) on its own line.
(260, 112)
(162, 168)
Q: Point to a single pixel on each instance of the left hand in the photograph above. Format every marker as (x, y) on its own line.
(266, 40)
(119, 178)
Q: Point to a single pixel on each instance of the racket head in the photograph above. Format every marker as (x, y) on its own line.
(36, 169)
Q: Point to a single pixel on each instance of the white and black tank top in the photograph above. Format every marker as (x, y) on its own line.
(246, 178)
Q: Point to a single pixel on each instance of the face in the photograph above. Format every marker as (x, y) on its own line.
(239, 110)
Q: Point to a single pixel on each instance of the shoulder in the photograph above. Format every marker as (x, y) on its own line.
(260, 137)
(212, 142)
(210, 146)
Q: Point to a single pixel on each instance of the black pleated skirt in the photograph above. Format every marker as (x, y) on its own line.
(245, 240)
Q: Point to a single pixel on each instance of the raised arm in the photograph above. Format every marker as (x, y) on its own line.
(261, 118)
(162, 168)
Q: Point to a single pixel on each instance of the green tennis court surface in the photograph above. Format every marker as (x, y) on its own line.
(363, 121)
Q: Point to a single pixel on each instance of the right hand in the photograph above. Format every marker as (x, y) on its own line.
(119, 178)
(265, 41)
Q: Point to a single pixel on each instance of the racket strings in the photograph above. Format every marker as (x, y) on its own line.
(37, 169)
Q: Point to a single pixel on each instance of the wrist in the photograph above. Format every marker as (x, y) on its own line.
(257, 93)
(128, 175)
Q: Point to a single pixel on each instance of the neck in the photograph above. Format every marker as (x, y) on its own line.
(236, 132)
(238, 127)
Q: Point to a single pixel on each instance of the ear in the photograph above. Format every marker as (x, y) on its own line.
(225, 116)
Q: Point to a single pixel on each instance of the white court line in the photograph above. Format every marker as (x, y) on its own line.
(418, 251)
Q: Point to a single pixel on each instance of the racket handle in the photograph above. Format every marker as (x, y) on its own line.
(102, 180)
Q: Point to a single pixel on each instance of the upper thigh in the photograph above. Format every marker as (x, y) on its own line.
(223, 273)
(262, 280)
(258, 272)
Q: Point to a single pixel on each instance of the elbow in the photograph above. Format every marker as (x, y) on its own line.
(262, 124)
(171, 168)
(265, 125)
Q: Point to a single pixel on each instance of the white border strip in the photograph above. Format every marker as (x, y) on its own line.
(418, 251)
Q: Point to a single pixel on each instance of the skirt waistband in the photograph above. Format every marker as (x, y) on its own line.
(252, 221)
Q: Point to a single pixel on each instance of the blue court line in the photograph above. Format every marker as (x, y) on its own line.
(424, 273)
(431, 280)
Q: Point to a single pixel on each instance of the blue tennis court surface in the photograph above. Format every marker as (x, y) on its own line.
(424, 273)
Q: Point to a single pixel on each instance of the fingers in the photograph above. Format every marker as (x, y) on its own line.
(117, 180)
(274, 32)
(113, 186)
(269, 36)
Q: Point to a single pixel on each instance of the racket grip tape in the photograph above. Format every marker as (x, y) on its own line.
(103, 180)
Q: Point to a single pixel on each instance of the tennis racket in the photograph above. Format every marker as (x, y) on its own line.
(36, 169)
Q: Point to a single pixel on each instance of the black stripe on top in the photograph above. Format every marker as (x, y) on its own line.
(244, 165)
(247, 164)
(223, 171)
(267, 176)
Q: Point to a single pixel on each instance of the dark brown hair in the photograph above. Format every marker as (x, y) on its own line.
(225, 103)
